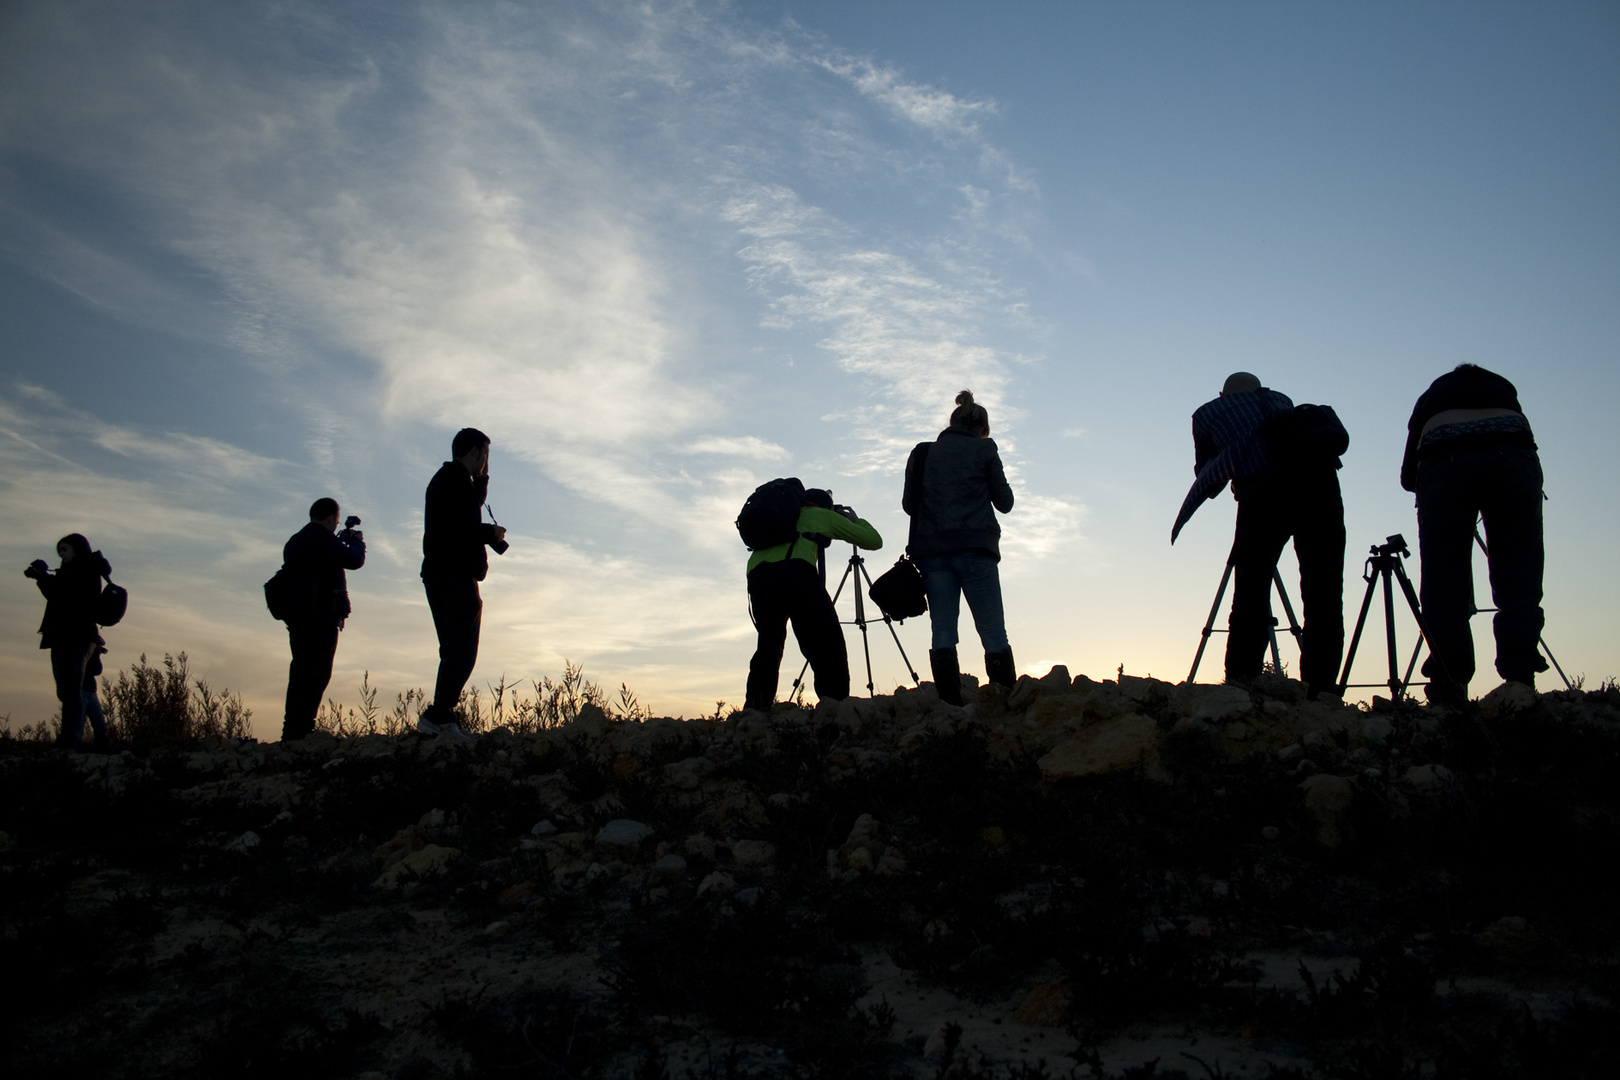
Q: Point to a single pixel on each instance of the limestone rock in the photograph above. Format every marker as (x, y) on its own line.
(1106, 747)
(623, 836)
(1215, 703)
(718, 883)
(1507, 699)
(245, 843)
(1045, 1006)
(753, 854)
(1428, 777)
(1328, 799)
(669, 867)
(428, 861)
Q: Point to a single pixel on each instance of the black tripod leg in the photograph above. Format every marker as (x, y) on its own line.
(1567, 684)
(1422, 623)
(1288, 608)
(1209, 623)
(1389, 635)
(1355, 638)
(860, 621)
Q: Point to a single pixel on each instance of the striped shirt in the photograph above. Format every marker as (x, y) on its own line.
(1227, 445)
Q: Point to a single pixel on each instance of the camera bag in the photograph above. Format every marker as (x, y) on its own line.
(278, 595)
(111, 604)
(899, 592)
(771, 515)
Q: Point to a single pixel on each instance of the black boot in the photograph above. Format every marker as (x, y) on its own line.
(998, 666)
(947, 675)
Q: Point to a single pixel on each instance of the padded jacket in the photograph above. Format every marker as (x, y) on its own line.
(317, 560)
(70, 602)
(954, 486)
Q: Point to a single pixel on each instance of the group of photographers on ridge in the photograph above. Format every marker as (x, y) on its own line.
(1470, 453)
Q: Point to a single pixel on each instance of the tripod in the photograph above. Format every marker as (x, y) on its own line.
(1214, 609)
(1417, 649)
(857, 568)
(1385, 563)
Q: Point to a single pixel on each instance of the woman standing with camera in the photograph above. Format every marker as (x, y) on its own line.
(69, 630)
(954, 486)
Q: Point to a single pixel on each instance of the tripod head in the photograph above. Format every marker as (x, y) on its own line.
(1386, 556)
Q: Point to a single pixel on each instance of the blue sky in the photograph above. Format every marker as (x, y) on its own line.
(254, 254)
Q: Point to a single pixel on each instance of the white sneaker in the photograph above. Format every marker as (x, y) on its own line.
(427, 727)
(455, 733)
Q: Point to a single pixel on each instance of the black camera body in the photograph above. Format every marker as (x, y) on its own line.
(350, 522)
(847, 511)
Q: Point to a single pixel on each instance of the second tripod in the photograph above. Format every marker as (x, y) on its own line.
(856, 569)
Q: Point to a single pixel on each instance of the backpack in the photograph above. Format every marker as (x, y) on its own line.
(771, 515)
(1305, 434)
(899, 593)
(280, 595)
(111, 604)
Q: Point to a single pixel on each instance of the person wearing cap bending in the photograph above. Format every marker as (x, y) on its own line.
(1281, 492)
(1470, 454)
(783, 586)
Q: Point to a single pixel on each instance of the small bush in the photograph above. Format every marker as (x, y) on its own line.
(150, 704)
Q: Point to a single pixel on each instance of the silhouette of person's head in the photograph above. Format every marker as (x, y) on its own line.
(1239, 382)
(818, 497)
(323, 510)
(970, 416)
(72, 546)
(471, 448)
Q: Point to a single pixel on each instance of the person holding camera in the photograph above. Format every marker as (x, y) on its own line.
(954, 486)
(1470, 454)
(69, 630)
(453, 563)
(316, 558)
(783, 586)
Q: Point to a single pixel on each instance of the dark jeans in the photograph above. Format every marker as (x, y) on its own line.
(786, 590)
(314, 643)
(1308, 508)
(949, 577)
(458, 615)
(1502, 484)
(68, 664)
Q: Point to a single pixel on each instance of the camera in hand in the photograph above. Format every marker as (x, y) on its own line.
(847, 511)
(348, 526)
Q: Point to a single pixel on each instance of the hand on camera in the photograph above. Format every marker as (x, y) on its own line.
(37, 569)
(848, 511)
(499, 533)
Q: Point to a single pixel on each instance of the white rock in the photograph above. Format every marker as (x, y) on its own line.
(623, 834)
(542, 828)
(1327, 800)
(1106, 747)
(1376, 729)
(244, 843)
(719, 883)
(1428, 777)
(753, 854)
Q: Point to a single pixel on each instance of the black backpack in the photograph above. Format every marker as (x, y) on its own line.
(111, 604)
(1305, 434)
(285, 596)
(771, 515)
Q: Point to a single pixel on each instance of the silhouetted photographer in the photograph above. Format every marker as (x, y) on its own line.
(313, 600)
(69, 630)
(453, 563)
(954, 486)
(1282, 462)
(1470, 454)
(787, 527)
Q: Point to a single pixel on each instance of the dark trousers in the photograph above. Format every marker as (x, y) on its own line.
(1308, 508)
(68, 665)
(314, 644)
(791, 590)
(458, 615)
(1502, 484)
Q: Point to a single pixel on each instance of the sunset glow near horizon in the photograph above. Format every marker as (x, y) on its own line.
(256, 254)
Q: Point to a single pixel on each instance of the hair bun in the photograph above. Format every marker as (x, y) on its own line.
(965, 398)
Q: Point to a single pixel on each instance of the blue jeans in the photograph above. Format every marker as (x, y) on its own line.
(946, 579)
(67, 667)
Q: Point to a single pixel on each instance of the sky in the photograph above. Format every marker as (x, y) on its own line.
(258, 253)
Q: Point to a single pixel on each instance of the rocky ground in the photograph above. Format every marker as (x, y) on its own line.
(1122, 879)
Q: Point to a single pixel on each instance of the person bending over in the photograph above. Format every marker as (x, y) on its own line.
(1470, 454)
(783, 586)
(316, 558)
(69, 629)
(1286, 483)
(954, 486)
(453, 563)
